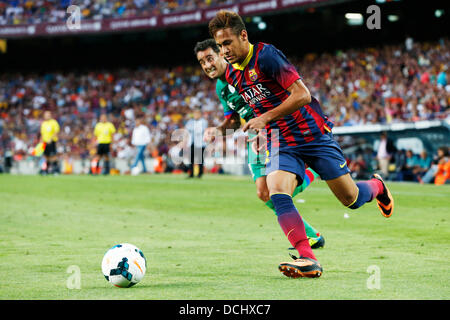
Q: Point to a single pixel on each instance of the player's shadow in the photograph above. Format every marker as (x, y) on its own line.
(176, 285)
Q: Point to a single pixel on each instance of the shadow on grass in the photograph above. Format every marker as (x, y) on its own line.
(156, 285)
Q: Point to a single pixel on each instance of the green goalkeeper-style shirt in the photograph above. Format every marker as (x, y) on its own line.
(232, 101)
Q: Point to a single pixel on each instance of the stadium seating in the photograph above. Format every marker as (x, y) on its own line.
(371, 85)
(41, 11)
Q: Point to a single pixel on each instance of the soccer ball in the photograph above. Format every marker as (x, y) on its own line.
(124, 265)
(135, 171)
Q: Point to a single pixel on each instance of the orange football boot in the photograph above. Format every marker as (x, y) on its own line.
(301, 267)
(385, 201)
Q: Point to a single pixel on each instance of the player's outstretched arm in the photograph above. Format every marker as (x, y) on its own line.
(258, 142)
(299, 96)
(233, 122)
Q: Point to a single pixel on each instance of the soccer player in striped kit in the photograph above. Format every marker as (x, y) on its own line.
(234, 108)
(271, 85)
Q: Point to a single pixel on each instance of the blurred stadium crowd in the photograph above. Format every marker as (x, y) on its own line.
(14, 12)
(389, 84)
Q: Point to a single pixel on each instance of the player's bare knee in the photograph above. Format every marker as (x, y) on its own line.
(348, 199)
(263, 195)
(276, 186)
(281, 182)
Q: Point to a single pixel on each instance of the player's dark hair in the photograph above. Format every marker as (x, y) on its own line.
(205, 44)
(140, 115)
(226, 19)
(444, 150)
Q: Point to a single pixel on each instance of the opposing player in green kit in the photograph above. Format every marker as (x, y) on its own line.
(234, 106)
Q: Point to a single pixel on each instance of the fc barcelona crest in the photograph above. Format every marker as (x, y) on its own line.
(252, 74)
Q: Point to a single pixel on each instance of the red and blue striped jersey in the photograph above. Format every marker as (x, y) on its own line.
(262, 81)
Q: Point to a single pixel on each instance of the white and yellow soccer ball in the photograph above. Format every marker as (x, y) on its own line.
(124, 265)
(135, 171)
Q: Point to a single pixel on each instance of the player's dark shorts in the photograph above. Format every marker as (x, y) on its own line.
(50, 149)
(103, 149)
(323, 155)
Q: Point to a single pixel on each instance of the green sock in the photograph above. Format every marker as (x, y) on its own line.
(310, 231)
(270, 205)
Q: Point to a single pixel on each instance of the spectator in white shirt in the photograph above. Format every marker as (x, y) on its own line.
(385, 151)
(140, 139)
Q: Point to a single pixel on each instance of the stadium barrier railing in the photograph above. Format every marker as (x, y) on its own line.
(417, 136)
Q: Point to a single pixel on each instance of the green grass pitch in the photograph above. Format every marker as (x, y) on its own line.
(213, 239)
